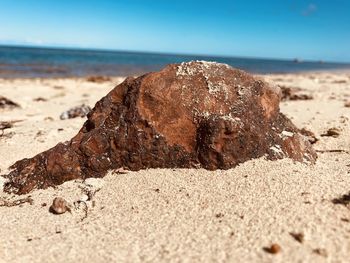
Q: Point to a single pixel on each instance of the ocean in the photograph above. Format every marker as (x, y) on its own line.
(29, 62)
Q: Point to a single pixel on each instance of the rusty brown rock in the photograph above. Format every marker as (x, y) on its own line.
(189, 115)
(273, 249)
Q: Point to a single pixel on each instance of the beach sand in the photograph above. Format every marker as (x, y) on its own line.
(181, 215)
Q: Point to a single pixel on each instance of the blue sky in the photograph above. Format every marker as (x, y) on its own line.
(318, 29)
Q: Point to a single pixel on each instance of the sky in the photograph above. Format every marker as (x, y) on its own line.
(311, 30)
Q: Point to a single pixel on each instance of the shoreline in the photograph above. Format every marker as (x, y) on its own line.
(41, 62)
(115, 76)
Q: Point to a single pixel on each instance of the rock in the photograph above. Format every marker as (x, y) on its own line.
(298, 236)
(7, 125)
(39, 99)
(94, 183)
(332, 132)
(320, 251)
(188, 115)
(83, 198)
(98, 79)
(273, 249)
(59, 206)
(291, 93)
(341, 81)
(347, 104)
(79, 111)
(343, 200)
(309, 135)
(7, 104)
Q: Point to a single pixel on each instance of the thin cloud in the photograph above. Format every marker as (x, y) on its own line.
(311, 8)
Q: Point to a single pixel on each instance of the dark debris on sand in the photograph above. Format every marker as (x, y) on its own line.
(298, 236)
(291, 93)
(309, 135)
(98, 79)
(40, 99)
(342, 200)
(7, 103)
(17, 202)
(320, 251)
(6, 125)
(332, 132)
(78, 111)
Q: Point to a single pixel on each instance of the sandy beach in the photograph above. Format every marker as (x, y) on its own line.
(181, 215)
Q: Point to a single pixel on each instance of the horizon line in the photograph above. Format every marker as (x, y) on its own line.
(67, 47)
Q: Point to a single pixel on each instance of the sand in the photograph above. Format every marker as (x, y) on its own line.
(180, 215)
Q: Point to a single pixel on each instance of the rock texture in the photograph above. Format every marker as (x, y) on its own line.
(189, 115)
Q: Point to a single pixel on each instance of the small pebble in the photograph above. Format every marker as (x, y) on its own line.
(39, 99)
(78, 111)
(94, 183)
(321, 252)
(84, 198)
(298, 237)
(48, 118)
(59, 206)
(219, 215)
(273, 249)
(333, 132)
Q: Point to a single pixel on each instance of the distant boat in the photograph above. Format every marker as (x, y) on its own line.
(297, 60)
